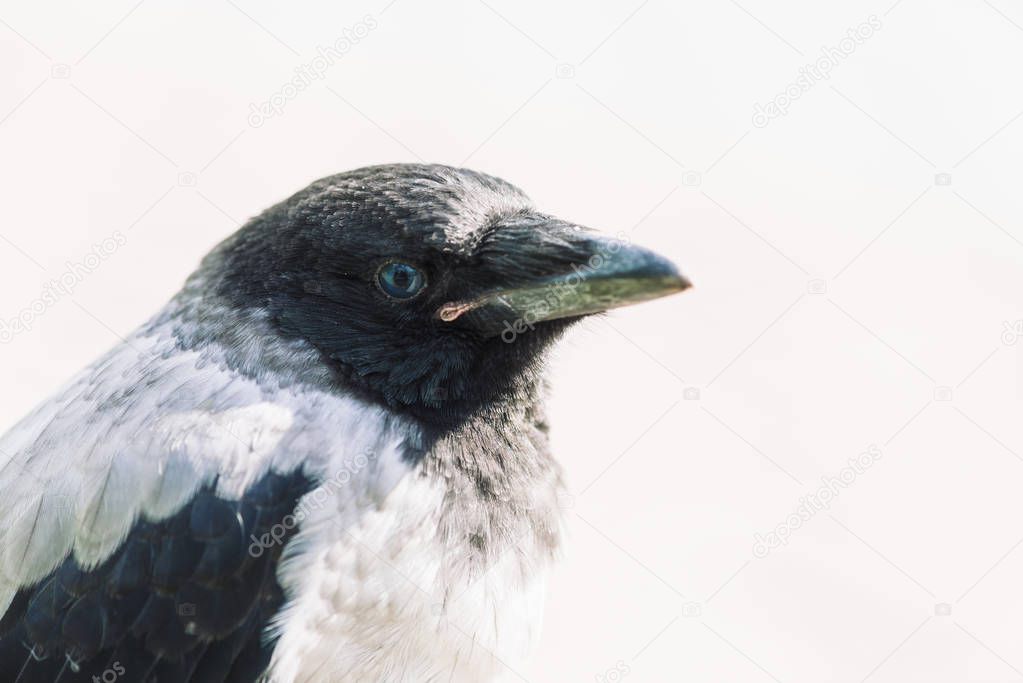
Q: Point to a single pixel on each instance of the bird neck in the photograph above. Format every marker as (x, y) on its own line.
(502, 484)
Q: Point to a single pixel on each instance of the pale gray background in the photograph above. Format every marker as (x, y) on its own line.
(846, 294)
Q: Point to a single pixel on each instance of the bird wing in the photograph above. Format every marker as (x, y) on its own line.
(146, 505)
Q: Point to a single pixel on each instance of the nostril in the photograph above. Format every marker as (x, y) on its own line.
(450, 312)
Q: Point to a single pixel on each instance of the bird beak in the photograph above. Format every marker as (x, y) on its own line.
(602, 273)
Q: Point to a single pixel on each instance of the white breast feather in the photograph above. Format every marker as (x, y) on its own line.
(378, 600)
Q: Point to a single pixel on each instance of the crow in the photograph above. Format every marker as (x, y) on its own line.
(325, 459)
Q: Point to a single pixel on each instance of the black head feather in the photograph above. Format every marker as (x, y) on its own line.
(311, 262)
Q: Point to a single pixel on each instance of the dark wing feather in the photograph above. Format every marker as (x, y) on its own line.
(182, 600)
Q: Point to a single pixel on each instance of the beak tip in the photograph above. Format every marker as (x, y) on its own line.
(658, 267)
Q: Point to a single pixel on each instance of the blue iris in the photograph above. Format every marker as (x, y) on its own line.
(401, 280)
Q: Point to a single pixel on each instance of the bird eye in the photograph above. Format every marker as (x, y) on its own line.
(400, 280)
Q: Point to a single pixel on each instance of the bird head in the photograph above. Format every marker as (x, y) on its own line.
(433, 290)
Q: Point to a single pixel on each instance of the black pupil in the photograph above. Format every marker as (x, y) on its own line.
(402, 277)
(400, 280)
